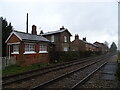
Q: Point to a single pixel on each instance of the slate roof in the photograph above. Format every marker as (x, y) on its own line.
(54, 32)
(26, 36)
(90, 43)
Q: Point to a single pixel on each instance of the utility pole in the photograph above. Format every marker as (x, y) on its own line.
(27, 24)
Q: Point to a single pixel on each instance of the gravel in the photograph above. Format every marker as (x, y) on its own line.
(72, 79)
(98, 82)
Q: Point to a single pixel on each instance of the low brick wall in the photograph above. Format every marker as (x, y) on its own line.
(28, 59)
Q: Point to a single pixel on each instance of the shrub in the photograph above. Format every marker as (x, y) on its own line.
(71, 55)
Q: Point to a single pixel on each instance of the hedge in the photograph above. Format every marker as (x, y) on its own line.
(71, 55)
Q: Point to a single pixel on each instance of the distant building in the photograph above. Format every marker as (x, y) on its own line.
(103, 48)
(77, 44)
(82, 45)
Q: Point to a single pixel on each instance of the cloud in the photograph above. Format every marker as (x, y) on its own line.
(98, 21)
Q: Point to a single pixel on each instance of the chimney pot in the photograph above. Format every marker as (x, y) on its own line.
(84, 39)
(76, 36)
(41, 32)
(62, 28)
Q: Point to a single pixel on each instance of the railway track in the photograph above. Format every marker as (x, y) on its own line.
(87, 77)
(45, 71)
(72, 79)
(22, 76)
(53, 66)
(25, 75)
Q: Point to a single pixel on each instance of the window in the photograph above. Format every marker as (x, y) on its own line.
(65, 39)
(65, 48)
(43, 48)
(52, 38)
(15, 49)
(29, 48)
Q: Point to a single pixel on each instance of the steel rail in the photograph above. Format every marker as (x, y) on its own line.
(61, 76)
(87, 77)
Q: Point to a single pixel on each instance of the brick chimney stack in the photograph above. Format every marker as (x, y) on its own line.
(41, 32)
(76, 36)
(62, 28)
(34, 32)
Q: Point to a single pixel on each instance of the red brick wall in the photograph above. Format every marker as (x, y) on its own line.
(13, 39)
(77, 45)
(59, 40)
(36, 58)
(27, 59)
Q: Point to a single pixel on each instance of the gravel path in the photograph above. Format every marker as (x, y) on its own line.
(97, 82)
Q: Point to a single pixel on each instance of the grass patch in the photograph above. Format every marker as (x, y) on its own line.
(14, 69)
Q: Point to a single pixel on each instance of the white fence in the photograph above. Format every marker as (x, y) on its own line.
(6, 61)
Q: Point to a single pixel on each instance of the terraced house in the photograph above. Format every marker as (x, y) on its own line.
(82, 45)
(77, 44)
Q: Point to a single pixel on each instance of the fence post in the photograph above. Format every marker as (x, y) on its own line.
(3, 63)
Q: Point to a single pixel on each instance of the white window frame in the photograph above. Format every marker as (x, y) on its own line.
(52, 38)
(65, 38)
(29, 48)
(65, 49)
(15, 49)
(43, 48)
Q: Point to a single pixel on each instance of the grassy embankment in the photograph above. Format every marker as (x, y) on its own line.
(14, 69)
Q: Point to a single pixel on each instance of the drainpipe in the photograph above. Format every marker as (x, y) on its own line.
(9, 51)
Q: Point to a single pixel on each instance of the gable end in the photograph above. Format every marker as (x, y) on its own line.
(14, 37)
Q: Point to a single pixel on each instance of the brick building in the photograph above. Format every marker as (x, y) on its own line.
(60, 39)
(103, 48)
(82, 45)
(32, 48)
(77, 44)
(28, 48)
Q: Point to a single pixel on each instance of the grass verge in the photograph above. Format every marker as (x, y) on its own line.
(14, 69)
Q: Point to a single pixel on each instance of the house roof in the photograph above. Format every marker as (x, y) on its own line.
(99, 43)
(28, 37)
(57, 31)
(90, 43)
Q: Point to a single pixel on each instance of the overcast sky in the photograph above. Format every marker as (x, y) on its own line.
(97, 21)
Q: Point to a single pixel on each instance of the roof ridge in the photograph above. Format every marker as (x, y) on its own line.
(55, 31)
(25, 32)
